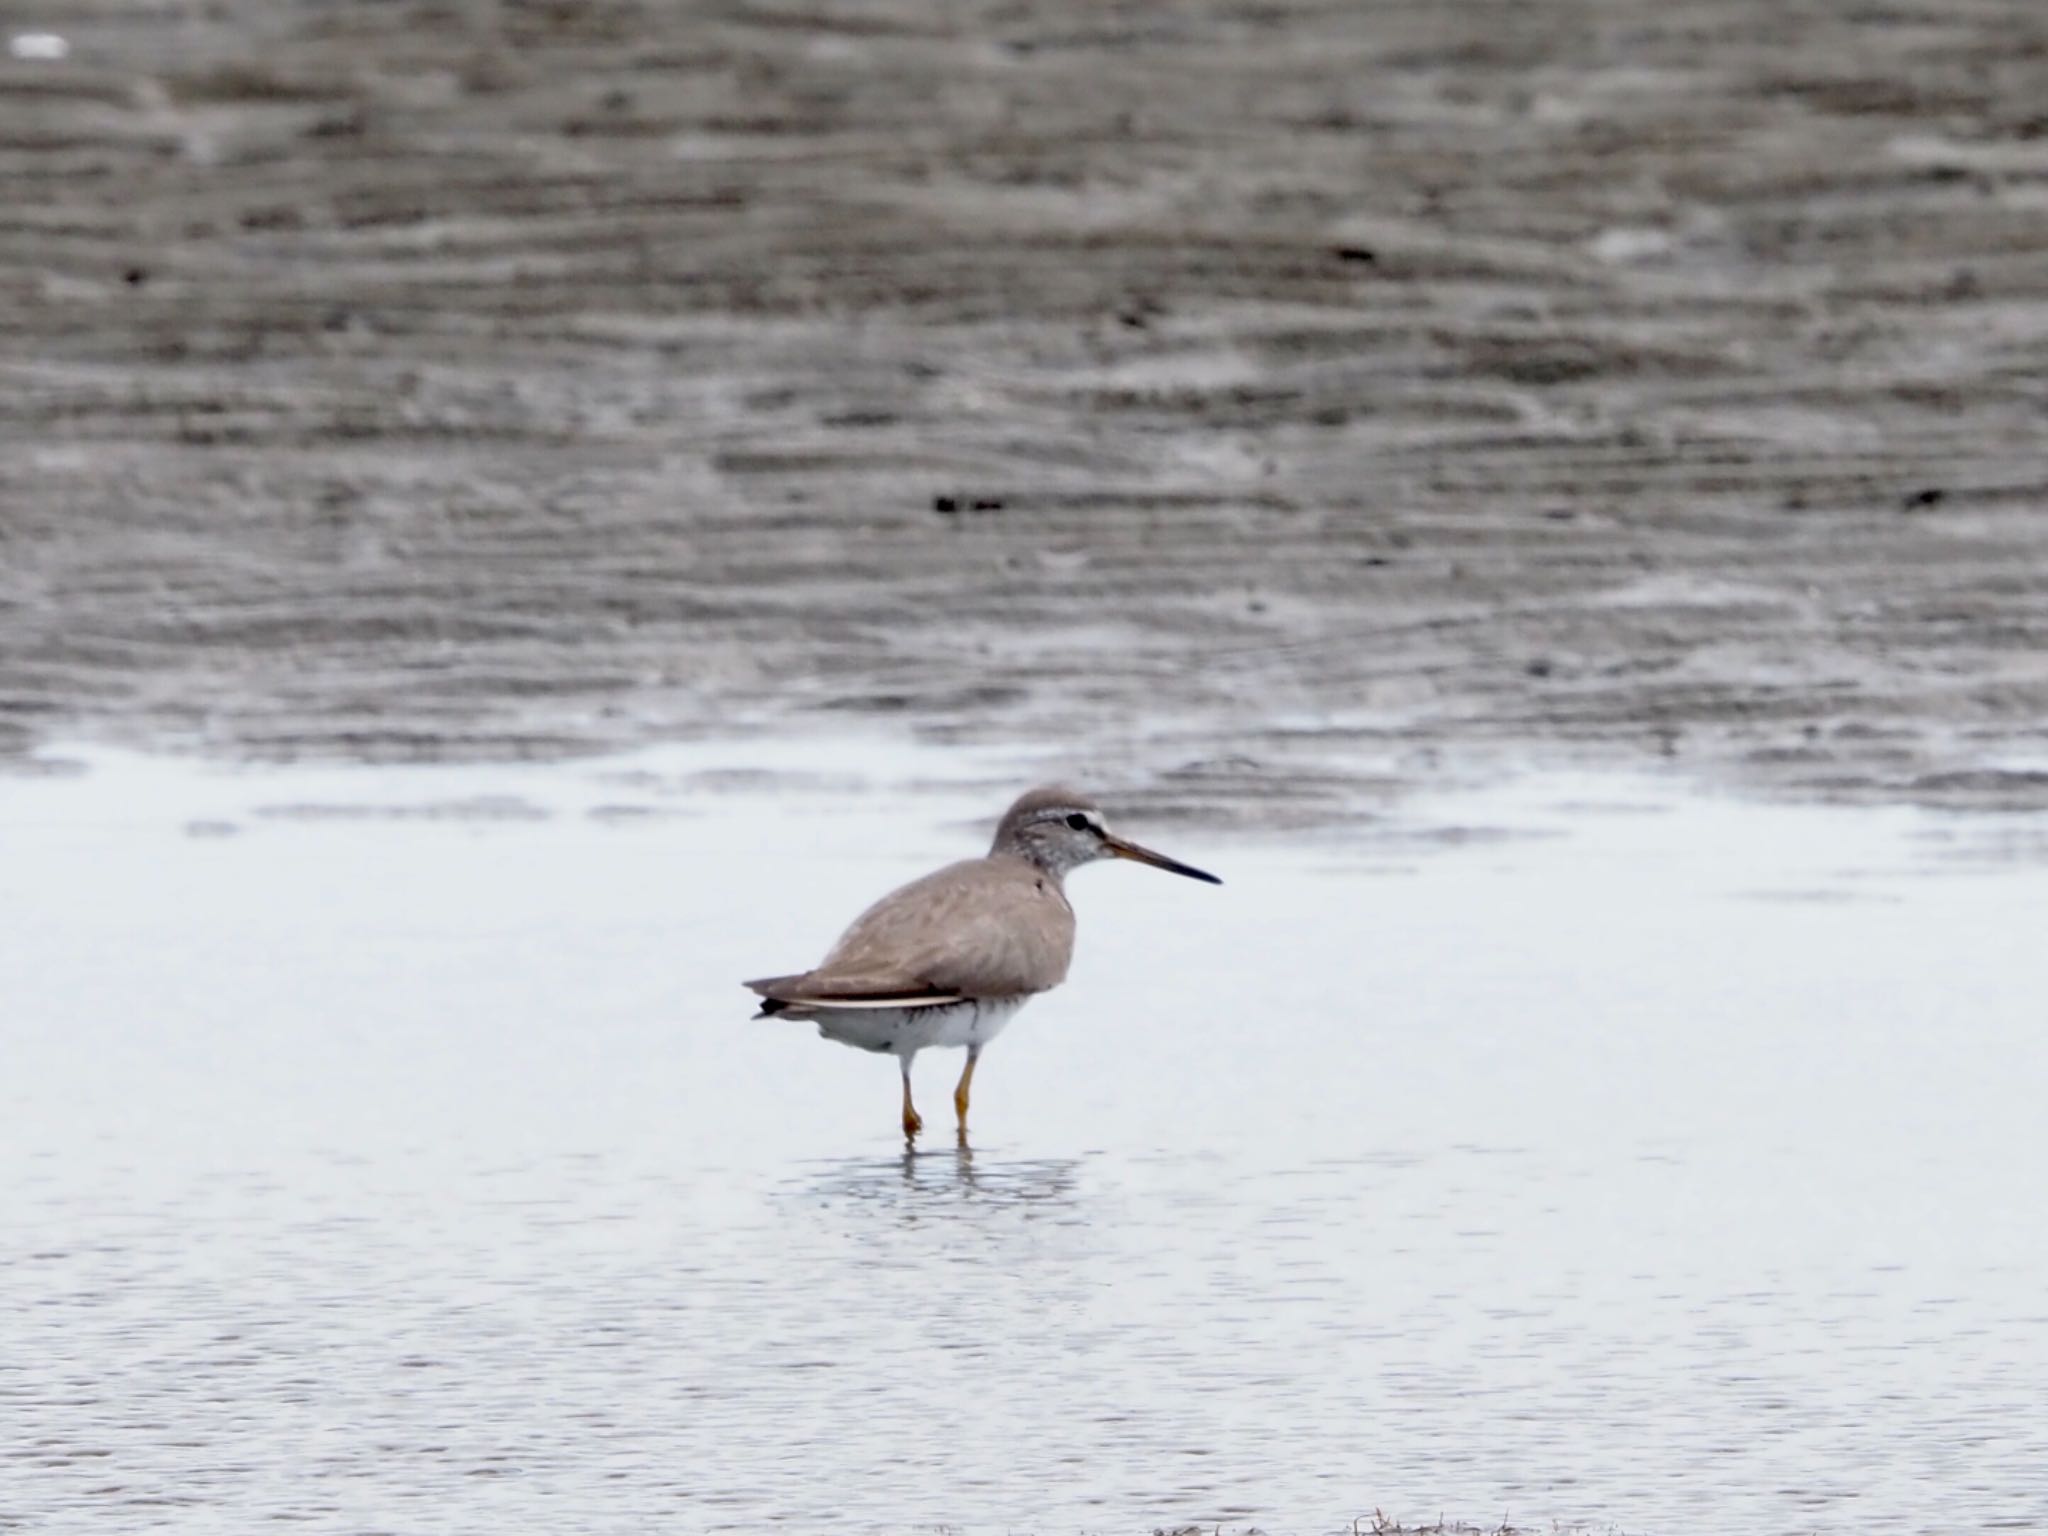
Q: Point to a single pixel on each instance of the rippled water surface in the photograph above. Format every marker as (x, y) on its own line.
(391, 1151)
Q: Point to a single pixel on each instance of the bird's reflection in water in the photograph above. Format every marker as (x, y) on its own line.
(954, 1181)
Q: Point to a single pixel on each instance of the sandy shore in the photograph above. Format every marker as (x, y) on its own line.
(1239, 396)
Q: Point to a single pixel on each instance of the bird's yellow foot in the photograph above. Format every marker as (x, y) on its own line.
(913, 1122)
(960, 1093)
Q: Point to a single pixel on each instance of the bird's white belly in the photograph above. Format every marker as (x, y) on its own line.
(904, 1031)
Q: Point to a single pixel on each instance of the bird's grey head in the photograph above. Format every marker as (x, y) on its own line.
(1059, 829)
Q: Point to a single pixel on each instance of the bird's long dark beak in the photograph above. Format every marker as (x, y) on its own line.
(1128, 850)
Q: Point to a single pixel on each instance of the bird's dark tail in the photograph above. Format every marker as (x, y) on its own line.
(770, 1006)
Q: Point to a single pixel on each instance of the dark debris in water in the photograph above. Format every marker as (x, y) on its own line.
(1378, 1524)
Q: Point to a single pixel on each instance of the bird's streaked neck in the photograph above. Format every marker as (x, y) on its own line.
(1049, 859)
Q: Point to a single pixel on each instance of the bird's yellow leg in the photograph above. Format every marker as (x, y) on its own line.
(960, 1094)
(912, 1121)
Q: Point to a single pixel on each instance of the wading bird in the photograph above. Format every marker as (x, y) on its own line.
(949, 959)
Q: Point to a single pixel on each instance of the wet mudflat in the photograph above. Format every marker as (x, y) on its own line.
(389, 1149)
(1404, 384)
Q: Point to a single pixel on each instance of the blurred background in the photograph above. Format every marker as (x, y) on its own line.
(515, 514)
(1225, 390)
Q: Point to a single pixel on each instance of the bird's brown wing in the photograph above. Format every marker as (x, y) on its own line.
(982, 928)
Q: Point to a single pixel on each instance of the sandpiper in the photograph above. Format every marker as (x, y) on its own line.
(949, 959)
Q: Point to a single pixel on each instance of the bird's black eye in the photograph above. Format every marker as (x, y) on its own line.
(1078, 822)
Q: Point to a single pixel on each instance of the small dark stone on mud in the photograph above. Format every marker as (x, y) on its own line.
(135, 277)
(341, 125)
(1365, 255)
(1931, 496)
(945, 504)
(1540, 667)
(1139, 310)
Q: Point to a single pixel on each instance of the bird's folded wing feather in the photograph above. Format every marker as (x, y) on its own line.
(848, 992)
(983, 928)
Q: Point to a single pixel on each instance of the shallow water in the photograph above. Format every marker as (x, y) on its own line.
(391, 1150)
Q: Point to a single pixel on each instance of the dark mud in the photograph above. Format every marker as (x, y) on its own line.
(1244, 395)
